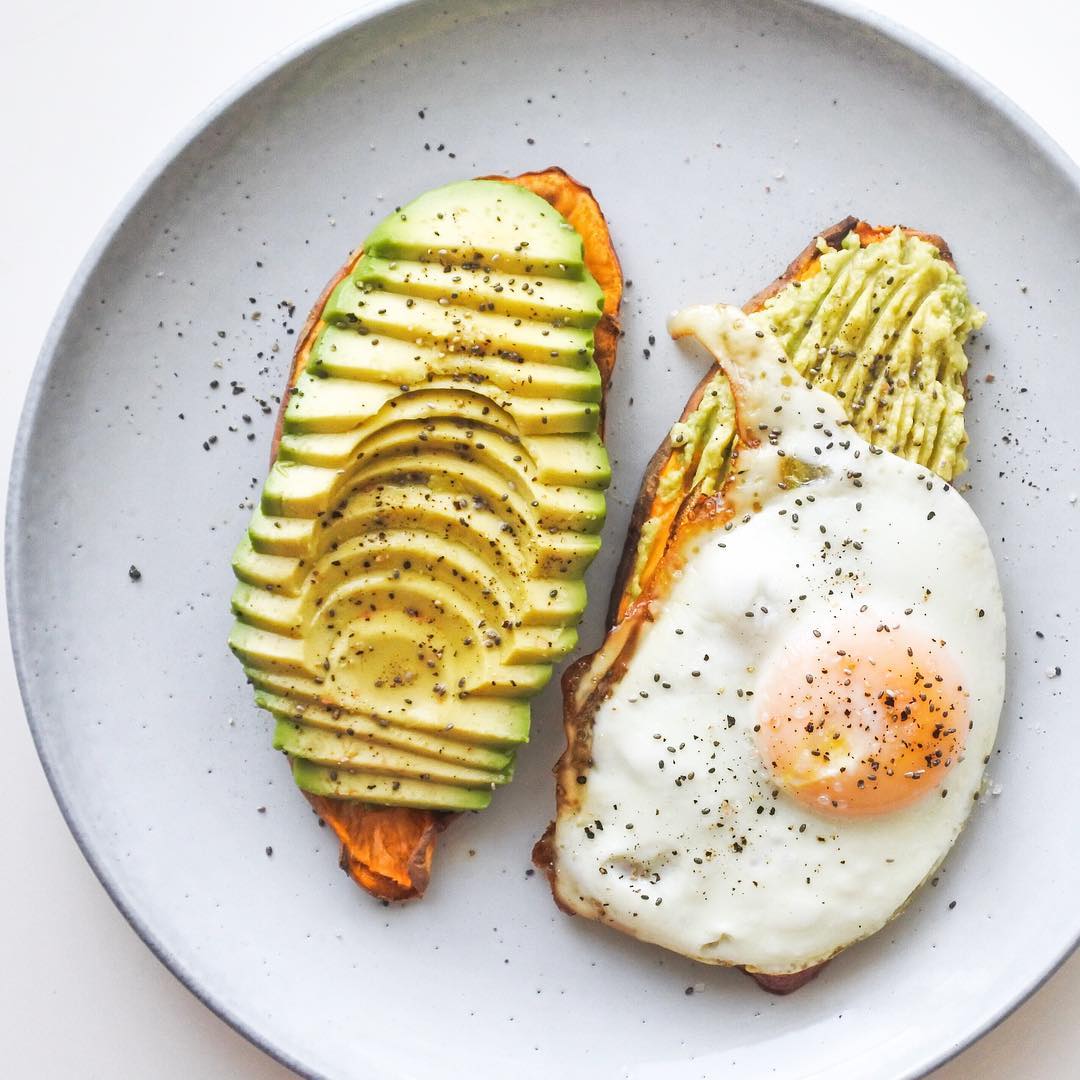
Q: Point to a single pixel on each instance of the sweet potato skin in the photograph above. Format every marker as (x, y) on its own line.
(625, 617)
(389, 850)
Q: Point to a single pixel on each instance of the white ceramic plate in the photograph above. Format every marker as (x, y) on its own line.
(718, 136)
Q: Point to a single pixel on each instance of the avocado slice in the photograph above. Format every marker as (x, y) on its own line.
(577, 460)
(271, 535)
(489, 474)
(482, 223)
(384, 734)
(520, 295)
(265, 649)
(326, 404)
(452, 328)
(345, 354)
(276, 612)
(274, 572)
(338, 750)
(386, 790)
(414, 567)
(500, 722)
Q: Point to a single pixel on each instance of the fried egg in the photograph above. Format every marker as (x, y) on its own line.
(796, 729)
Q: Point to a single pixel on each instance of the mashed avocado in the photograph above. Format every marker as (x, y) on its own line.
(882, 327)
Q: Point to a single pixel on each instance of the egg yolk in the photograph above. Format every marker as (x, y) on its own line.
(862, 724)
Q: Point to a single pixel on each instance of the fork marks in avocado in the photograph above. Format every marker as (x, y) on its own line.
(882, 327)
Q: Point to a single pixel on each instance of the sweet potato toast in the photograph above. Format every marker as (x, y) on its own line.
(669, 502)
(388, 850)
(648, 506)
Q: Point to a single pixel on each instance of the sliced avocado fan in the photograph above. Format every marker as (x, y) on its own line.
(415, 565)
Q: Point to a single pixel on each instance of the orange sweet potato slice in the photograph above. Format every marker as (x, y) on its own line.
(388, 850)
(588, 680)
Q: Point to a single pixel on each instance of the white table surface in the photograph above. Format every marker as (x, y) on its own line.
(91, 93)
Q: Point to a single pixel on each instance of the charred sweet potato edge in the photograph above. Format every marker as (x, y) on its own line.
(389, 850)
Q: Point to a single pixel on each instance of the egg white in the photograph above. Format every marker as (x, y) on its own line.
(679, 834)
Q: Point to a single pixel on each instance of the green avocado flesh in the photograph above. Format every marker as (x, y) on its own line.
(414, 567)
(881, 327)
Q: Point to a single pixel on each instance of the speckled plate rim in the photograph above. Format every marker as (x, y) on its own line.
(948, 65)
